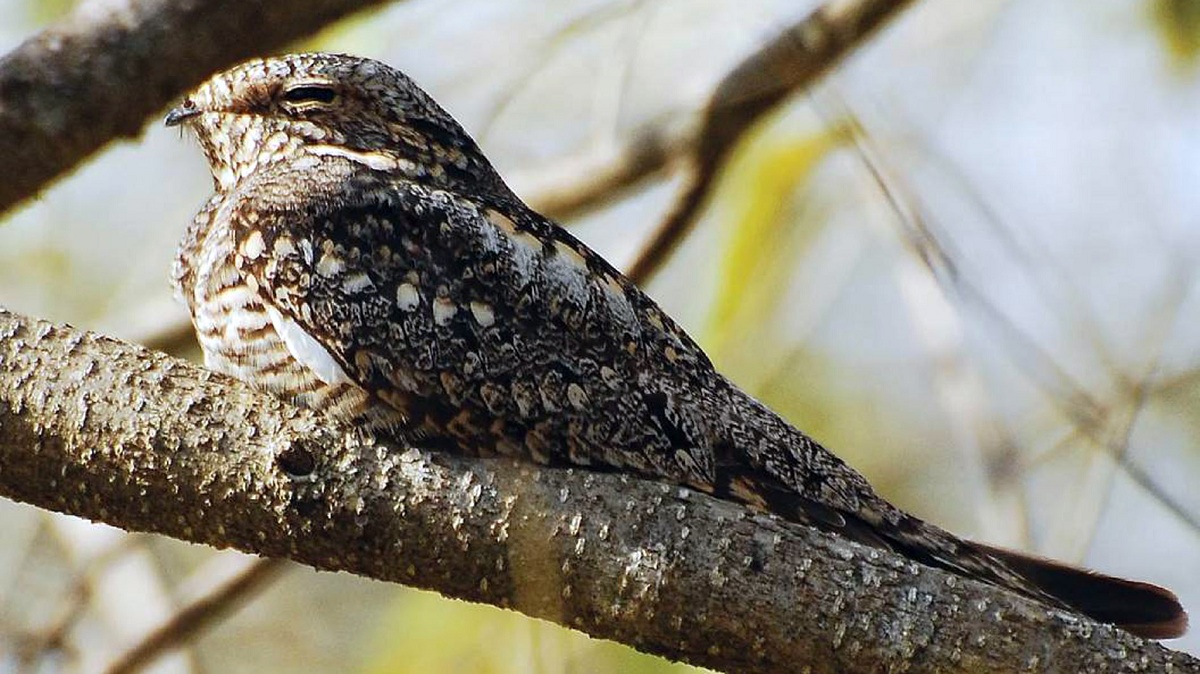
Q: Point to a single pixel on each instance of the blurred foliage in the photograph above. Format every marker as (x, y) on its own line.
(47, 11)
(763, 236)
(428, 633)
(1178, 24)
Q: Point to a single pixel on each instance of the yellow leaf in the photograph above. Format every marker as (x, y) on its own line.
(760, 181)
(1178, 24)
(429, 633)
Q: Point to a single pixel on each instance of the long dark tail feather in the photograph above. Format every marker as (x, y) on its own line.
(1141, 608)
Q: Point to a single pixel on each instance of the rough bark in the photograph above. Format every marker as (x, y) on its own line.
(101, 429)
(98, 75)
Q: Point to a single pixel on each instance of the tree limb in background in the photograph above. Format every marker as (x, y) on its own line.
(97, 75)
(574, 187)
(788, 64)
(198, 615)
(101, 429)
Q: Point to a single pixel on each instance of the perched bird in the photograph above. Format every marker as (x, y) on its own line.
(361, 256)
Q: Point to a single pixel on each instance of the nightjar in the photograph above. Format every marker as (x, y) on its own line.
(360, 256)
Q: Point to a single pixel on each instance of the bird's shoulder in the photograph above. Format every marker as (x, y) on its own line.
(382, 247)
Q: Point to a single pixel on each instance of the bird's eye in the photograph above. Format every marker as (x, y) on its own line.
(310, 94)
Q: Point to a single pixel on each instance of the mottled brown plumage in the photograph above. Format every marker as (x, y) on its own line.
(361, 257)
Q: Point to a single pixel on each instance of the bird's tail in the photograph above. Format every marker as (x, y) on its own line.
(1141, 608)
(774, 466)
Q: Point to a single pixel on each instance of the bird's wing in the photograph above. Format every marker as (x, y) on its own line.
(483, 324)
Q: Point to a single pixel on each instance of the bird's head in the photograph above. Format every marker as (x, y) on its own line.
(303, 106)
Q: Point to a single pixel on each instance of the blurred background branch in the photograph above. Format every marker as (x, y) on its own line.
(780, 68)
(98, 74)
(189, 621)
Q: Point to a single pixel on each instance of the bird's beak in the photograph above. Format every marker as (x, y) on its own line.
(182, 113)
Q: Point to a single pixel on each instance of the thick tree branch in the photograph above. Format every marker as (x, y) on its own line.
(100, 73)
(101, 429)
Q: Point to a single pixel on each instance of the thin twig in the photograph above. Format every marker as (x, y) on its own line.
(788, 64)
(593, 181)
(1089, 417)
(191, 620)
(987, 449)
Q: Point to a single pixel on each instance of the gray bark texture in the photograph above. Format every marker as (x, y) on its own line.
(101, 429)
(97, 75)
